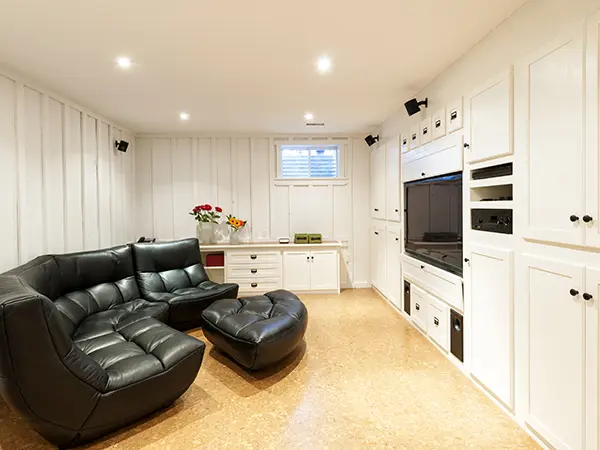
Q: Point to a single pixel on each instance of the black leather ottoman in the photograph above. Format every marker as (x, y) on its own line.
(256, 331)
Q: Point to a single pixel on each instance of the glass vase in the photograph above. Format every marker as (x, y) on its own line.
(205, 232)
(234, 237)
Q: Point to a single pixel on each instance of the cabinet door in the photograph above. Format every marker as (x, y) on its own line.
(324, 274)
(592, 210)
(592, 284)
(393, 267)
(550, 90)
(378, 183)
(489, 111)
(392, 179)
(419, 301)
(296, 271)
(378, 274)
(557, 336)
(489, 277)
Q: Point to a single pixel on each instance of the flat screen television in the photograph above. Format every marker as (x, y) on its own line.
(433, 228)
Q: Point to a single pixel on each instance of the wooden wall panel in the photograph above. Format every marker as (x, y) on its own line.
(9, 225)
(55, 179)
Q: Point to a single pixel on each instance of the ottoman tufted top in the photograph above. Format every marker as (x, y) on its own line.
(257, 319)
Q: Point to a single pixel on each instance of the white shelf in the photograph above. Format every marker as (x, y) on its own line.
(214, 267)
(268, 245)
(503, 204)
(498, 181)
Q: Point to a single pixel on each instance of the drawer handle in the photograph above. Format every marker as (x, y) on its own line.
(253, 270)
(574, 292)
(252, 256)
(417, 306)
(438, 123)
(254, 285)
(375, 209)
(587, 297)
(453, 114)
(436, 321)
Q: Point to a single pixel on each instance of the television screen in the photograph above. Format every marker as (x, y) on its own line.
(433, 221)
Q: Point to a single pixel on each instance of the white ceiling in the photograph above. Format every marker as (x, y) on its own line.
(240, 66)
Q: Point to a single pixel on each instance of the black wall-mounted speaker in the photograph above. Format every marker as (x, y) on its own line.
(121, 145)
(413, 106)
(370, 139)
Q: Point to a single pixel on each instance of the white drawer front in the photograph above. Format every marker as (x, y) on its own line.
(253, 271)
(437, 322)
(250, 257)
(258, 287)
(418, 307)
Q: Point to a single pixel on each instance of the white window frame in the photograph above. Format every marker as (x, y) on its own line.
(339, 179)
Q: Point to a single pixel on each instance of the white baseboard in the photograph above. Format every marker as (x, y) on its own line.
(361, 285)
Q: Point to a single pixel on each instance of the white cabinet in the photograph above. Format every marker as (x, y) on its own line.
(315, 270)
(392, 179)
(550, 92)
(563, 345)
(438, 318)
(418, 306)
(323, 270)
(296, 271)
(378, 202)
(490, 278)
(378, 256)
(489, 118)
(393, 266)
(592, 188)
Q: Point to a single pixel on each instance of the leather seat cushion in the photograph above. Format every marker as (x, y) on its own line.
(257, 331)
(130, 345)
(186, 304)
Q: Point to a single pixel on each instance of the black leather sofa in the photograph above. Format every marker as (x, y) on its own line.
(84, 350)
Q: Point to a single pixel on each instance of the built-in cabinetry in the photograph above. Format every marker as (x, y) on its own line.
(385, 181)
(489, 279)
(393, 265)
(489, 119)
(263, 267)
(562, 351)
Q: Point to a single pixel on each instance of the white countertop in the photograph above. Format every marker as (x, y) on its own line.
(267, 244)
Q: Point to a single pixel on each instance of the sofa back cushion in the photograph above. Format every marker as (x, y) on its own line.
(167, 266)
(81, 284)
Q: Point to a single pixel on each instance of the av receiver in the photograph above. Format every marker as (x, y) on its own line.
(492, 220)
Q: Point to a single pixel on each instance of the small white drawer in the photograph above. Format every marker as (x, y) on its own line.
(258, 287)
(253, 271)
(437, 322)
(418, 307)
(250, 257)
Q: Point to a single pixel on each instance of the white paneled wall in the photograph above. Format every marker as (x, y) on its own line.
(238, 173)
(63, 187)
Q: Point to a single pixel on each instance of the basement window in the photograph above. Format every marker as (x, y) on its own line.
(309, 161)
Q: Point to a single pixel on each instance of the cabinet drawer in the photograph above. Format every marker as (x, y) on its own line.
(253, 271)
(437, 322)
(418, 307)
(258, 287)
(253, 258)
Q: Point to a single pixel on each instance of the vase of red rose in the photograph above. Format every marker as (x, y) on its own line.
(207, 218)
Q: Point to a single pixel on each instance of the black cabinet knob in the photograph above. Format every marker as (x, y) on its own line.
(376, 233)
(252, 256)
(574, 218)
(587, 297)
(396, 210)
(254, 285)
(587, 219)
(375, 209)
(417, 306)
(308, 258)
(467, 260)
(466, 145)
(436, 321)
(397, 239)
(574, 292)
(253, 270)
(422, 267)
(422, 174)
(312, 257)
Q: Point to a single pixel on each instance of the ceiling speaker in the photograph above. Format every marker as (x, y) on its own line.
(413, 106)
(370, 139)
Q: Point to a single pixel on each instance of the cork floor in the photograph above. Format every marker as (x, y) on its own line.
(364, 378)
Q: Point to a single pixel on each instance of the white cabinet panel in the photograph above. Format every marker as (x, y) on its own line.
(296, 271)
(454, 115)
(378, 182)
(440, 157)
(549, 88)
(557, 347)
(489, 275)
(393, 266)
(592, 210)
(378, 256)
(323, 270)
(438, 123)
(415, 136)
(404, 142)
(438, 318)
(392, 180)
(591, 296)
(418, 306)
(489, 119)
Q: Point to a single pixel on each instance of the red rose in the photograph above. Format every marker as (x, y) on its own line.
(219, 209)
(208, 207)
(204, 207)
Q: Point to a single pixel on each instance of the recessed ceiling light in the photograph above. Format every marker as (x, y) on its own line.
(308, 116)
(124, 62)
(324, 64)
(184, 116)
